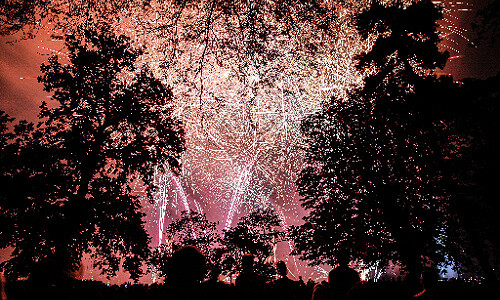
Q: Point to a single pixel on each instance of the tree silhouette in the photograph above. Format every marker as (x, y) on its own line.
(7, 158)
(6, 138)
(472, 174)
(372, 181)
(252, 21)
(192, 228)
(257, 234)
(28, 17)
(72, 190)
(487, 23)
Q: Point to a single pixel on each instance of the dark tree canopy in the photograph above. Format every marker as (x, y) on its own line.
(194, 229)
(29, 17)
(472, 174)
(191, 229)
(487, 23)
(371, 182)
(71, 192)
(257, 234)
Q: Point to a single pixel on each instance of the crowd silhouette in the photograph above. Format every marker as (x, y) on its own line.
(191, 276)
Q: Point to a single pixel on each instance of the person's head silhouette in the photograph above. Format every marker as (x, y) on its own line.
(281, 268)
(429, 278)
(186, 266)
(247, 263)
(343, 257)
(215, 271)
(342, 278)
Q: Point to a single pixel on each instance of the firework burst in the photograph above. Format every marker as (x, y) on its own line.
(242, 113)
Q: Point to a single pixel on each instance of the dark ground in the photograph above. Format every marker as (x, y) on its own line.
(92, 290)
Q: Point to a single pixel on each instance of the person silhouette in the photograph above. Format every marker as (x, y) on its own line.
(282, 272)
(429, 278)
(185, 271)
(213, 288)
(283, 287)
(342, 278)
(249, 284)
(320, 291)
(301, 282)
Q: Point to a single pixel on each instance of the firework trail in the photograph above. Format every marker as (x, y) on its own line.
(181, 192)
(454, 36)
(284, 224)
(169, 199)
(241, 185)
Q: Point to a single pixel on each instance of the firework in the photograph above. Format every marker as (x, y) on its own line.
(454, 36)
(242, 112)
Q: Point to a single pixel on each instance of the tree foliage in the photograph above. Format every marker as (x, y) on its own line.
(258, 234)
(372, 182)
(192, 228)
(487, 23)
(28, 17)
(472, 172)
(70, 191)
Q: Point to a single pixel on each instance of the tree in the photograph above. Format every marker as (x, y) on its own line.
(472, 173)
(252, 21)
(7, 156)
(192, 228)
(487, 24)
(257, 234)
(109, 126)
(372, 177)
(28, 17)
